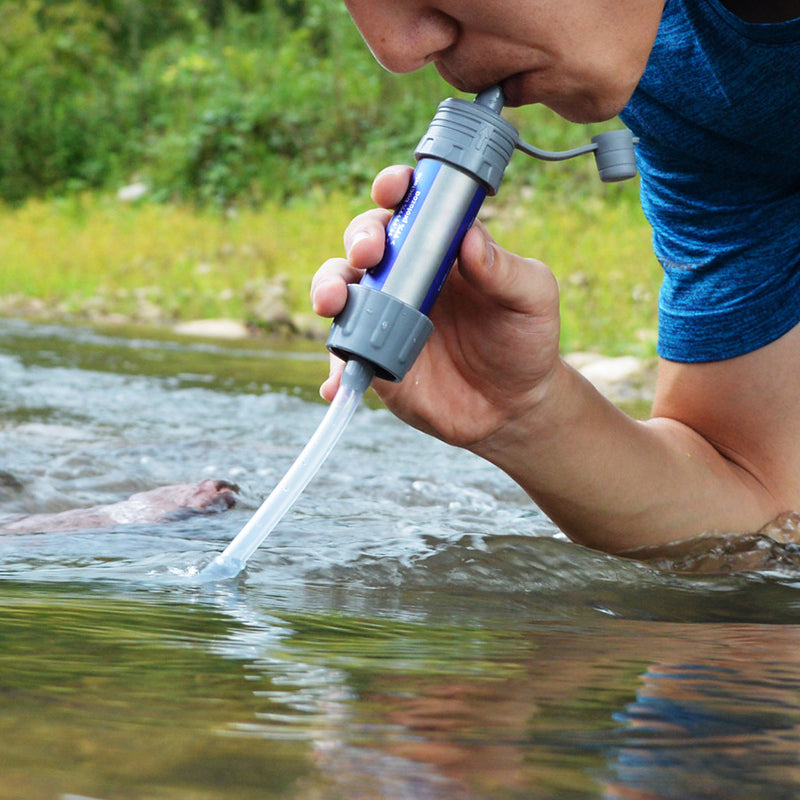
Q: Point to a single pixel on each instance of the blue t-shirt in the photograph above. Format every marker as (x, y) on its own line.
(718, 115)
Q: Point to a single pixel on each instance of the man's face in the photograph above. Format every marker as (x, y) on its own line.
(582, 58)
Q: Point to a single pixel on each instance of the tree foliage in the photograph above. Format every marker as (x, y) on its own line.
(208, 101)
(211, 101)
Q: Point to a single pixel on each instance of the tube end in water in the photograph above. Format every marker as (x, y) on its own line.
(222, 568)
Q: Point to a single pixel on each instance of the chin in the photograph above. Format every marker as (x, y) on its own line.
(585, 116)
(601, 103)
(587, 109)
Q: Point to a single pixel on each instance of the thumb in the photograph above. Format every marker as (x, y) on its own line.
(525, 285)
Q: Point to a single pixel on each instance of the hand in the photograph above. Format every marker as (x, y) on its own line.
(714, 456)
(495, 342)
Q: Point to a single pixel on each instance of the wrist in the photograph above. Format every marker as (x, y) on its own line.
(546, 411)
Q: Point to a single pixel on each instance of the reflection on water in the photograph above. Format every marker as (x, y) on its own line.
(413, 629)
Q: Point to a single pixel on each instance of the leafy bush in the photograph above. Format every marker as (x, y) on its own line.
(215, 103)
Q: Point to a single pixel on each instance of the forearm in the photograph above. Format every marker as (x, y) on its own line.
(614, 483)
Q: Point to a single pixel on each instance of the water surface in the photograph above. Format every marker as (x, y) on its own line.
(413, 629)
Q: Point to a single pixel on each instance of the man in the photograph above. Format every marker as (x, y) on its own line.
(722, 449)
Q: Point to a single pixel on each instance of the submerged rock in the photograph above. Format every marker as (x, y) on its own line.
(163, 504)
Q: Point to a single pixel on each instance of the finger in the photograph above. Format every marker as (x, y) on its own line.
(390, 185)
(331, 384)
(520, 284)
(329, 286)
(365, 238)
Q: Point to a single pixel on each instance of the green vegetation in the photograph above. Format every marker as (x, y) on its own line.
(208, 102)
(91, 257)
(256, 128)
(97, 258)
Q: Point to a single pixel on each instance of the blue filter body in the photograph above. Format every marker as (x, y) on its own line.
(422, 246)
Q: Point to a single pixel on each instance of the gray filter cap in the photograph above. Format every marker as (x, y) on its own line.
(472, 137)
(381, 329)
(614, 155)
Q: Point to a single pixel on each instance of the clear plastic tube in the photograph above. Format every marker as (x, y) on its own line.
(232, 560)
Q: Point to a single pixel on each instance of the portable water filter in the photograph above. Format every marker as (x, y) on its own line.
(461, 160)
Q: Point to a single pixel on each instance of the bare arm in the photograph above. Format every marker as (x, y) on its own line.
(616, 484)
(721, 452)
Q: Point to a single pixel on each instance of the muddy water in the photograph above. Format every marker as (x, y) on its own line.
(414, 628)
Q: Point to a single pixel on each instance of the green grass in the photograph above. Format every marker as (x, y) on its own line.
(91, 256)
(600, 250)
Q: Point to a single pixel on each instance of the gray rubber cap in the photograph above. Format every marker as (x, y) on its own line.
(473, 138)
(381, 329)
(614, 155)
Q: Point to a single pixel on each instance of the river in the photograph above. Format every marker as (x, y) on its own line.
(414, 628)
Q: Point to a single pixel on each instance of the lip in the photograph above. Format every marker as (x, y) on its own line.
(474, 84)
(519, 88)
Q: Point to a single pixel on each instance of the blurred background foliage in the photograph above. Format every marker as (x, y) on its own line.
(207, 101)
(204, 100)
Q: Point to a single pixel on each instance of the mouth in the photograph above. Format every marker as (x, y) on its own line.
(519, 88)
(474, 84)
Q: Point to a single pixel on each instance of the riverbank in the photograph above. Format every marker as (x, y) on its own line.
(101, 260)
(628, 380)
(97, 258)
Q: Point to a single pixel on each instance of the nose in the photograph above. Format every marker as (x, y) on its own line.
(403, 35)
